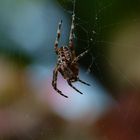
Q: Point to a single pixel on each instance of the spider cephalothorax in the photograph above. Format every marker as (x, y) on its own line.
(67, 61)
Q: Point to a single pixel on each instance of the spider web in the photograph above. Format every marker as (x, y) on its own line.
(89, 35)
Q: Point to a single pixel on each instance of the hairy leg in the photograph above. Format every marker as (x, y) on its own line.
(54, 82)
(83, 82)
(57, 37)
(70, 84)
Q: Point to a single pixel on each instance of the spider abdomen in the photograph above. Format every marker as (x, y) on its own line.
(64, 56)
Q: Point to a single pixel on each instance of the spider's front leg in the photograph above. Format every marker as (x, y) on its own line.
(83, 82)
(54, 82)
(70, 84)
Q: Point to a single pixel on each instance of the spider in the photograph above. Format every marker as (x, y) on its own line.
(67, 62)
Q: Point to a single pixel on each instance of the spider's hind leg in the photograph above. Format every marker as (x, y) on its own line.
(80, 56)
(57, 37)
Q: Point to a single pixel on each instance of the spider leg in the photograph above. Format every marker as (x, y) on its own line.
(83, 82)
(71, 36)
(70, 84)
(79, 56)
(54, 82)
(57, 37)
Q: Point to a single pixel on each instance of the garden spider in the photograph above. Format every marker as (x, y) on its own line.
(67, 61)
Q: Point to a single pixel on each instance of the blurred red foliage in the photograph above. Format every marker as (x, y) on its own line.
(123, 121)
